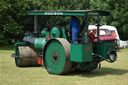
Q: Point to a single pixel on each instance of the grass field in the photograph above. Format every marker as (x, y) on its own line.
(110, 73)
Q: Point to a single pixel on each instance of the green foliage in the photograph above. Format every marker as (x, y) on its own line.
(14, 20)
(12, 13)
(119, 14)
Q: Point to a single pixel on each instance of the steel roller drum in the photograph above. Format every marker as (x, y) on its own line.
(57, 56)
(27, 57)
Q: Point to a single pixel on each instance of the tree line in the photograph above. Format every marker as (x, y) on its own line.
(14, 21)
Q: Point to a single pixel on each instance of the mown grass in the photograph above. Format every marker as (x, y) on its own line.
(110, 73)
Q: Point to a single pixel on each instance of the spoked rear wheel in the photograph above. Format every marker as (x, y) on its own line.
(57, 56)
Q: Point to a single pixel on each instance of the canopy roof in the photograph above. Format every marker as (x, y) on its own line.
(70, 12)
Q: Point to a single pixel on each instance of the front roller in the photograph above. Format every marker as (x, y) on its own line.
(26, 57)
(57, 56)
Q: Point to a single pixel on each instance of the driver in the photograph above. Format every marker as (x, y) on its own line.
(74, 25)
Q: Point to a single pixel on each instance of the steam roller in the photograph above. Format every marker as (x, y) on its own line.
(52, 48)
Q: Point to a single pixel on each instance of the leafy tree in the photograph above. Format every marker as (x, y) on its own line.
(11, 20)
(119, 14)
(14, 21)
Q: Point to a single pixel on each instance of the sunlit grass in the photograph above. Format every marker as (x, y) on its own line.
(110, 73)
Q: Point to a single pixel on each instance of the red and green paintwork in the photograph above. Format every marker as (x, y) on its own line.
(81, 52)
(103, 47)
(60, 54)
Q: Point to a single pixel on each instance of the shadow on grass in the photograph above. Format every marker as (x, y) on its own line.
(99, 72)
(37, 66)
